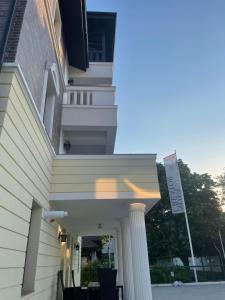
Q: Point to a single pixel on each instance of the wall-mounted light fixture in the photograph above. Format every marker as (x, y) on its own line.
(62, 237)
(77, 246)
(67, 146)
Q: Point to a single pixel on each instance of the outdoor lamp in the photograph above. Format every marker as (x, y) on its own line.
(62, 237)
(67, 146)
(77, 246)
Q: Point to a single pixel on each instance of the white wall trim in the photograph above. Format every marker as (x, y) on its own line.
(105, 157)
(84, 106)
(105, 89)
(77, 196)
(43, 97)
(15, 68)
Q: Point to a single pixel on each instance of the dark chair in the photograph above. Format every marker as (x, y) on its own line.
(83, 293)
(71, 293)
(107, 280)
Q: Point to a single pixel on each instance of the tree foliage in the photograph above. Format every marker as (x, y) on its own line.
(221, 187)
(167, 233)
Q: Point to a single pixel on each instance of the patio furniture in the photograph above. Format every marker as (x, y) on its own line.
(107, 280)
(72, 293)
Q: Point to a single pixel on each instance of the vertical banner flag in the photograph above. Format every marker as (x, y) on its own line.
(177, 197)
(174, 184)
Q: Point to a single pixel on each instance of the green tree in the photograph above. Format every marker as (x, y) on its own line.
(221, 187)
(167, 234)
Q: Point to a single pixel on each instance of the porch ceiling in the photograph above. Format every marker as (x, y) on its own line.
(86, 215)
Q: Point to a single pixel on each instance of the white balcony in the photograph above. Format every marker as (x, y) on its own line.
(89, 119)
(98, 73)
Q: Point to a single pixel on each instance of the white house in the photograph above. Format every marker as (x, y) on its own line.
(58, 122)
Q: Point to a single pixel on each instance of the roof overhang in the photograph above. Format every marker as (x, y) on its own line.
(74, 22)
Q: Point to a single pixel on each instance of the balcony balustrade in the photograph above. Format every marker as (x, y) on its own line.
(96, 96)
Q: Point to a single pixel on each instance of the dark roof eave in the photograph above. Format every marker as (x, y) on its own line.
(73, 15)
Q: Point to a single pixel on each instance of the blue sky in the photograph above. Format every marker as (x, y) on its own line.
(170, 79)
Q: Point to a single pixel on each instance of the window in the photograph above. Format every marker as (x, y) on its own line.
(49, 110)
(32, 249)
(50, 93)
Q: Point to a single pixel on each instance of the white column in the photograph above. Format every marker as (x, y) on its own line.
(115, 254)
(119, 253)
(127, 261)
(139, 249)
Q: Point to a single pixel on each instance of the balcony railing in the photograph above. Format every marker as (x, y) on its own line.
(96, 55)
(96, 96)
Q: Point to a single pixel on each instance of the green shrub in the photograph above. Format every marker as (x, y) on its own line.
(162, 274)
(89, 271)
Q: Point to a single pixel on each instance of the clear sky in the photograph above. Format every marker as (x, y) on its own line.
(170, 79)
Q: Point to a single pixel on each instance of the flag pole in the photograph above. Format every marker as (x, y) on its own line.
(189, 234)
(190, 243)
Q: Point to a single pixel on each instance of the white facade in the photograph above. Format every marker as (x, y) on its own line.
(99, 188)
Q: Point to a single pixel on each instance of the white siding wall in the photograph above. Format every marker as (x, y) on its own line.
(106, 177)
(25, 174)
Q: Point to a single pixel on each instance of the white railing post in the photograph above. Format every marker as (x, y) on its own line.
(88, 98)
(66, 98)
(81, 97)
(75, 97)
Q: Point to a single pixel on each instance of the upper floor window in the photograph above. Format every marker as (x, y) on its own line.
(50, 93)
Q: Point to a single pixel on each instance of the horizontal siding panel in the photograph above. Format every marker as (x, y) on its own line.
(10, 165)
(10, 184)
(18, 155)
(21, 145)
(45, 272)
(103, 162)
(48, 293)
(28, 137)
(12, 240)
(103, 187)
(45, 283)
(49, 240)
(50, 228)
(10, 278)
(48, 250)
(24, 102)
(46, 260)
(14, 205)
(11, 259)
(10, 294)
(13, 223)
(114, 170)
(107, 178)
